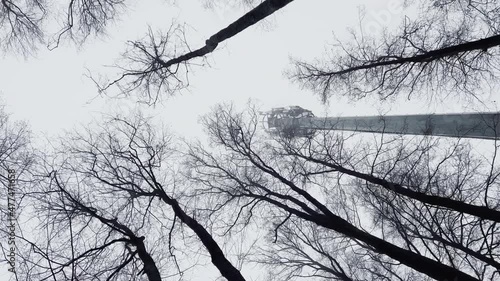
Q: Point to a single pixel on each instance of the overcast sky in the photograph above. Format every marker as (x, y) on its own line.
(52, 93)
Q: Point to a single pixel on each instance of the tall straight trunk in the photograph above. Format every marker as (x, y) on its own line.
(150, 268)
(425, 265)
(482, 44)
(219, 260)
(255, 15)
(420, 263)
(448, 203)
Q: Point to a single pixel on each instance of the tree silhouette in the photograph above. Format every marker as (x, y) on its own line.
(451, 48)
(407, 230)
(107, 207)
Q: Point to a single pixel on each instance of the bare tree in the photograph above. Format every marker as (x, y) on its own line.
(277, 174)
(450, 236)
(22, 24)
(15, 139)
(107, 208)
(449, 49)
(301, 249)
(85, 18)
(335, 206)
(159, 64)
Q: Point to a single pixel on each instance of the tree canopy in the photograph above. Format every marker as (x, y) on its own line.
(124, 198)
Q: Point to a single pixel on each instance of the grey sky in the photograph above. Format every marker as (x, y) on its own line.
(51, 92)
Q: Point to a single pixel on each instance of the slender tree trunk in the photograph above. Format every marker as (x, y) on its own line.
(459, 206)
(219, 260)
(257, 14)
(149, 264)
(420, 263)
(482, 44)
(150, 268)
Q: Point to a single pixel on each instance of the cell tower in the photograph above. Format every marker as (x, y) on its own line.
(295, 121)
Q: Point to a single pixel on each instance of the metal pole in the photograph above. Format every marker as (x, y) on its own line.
(467, 125)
